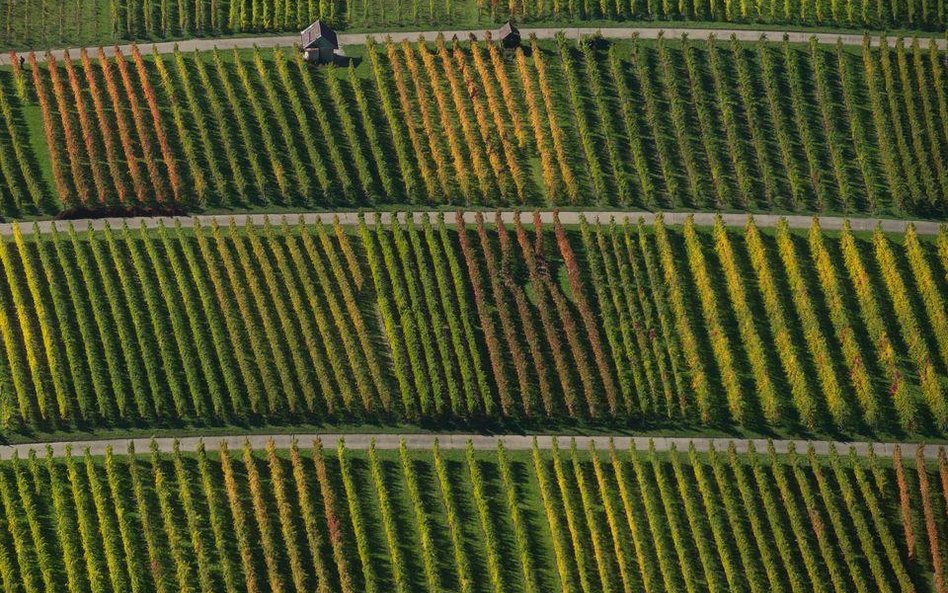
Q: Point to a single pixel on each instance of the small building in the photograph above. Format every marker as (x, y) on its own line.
(318, 43)
(509, 36)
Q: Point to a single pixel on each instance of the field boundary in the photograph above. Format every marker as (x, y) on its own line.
(827, 223)
(203, 43)
(459, 441)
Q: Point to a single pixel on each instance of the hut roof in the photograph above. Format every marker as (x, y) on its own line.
(315, 32)
(508, 29)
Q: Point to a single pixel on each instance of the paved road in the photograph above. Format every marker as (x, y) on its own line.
(542, 33)
(924, 227)
(458, 441)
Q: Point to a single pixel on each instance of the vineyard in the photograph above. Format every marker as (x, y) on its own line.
(620, 325)
(54, 23)
(668, 125)
(560, 520)
(411, 245)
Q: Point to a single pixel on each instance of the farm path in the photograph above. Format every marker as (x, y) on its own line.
(541, 33)
(828, 223)
(457, 441)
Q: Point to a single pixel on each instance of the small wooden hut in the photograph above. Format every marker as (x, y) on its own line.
(509, 36)
(318, 43)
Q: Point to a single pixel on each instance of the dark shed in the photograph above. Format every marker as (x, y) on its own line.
(509, 36)
(319, 43)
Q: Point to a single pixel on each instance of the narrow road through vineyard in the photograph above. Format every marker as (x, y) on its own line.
(737, 220)
(209, 43)
(358, 441)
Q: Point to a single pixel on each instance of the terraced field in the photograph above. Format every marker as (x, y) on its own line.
(668, 125)
(477, 521)
(615, 325)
